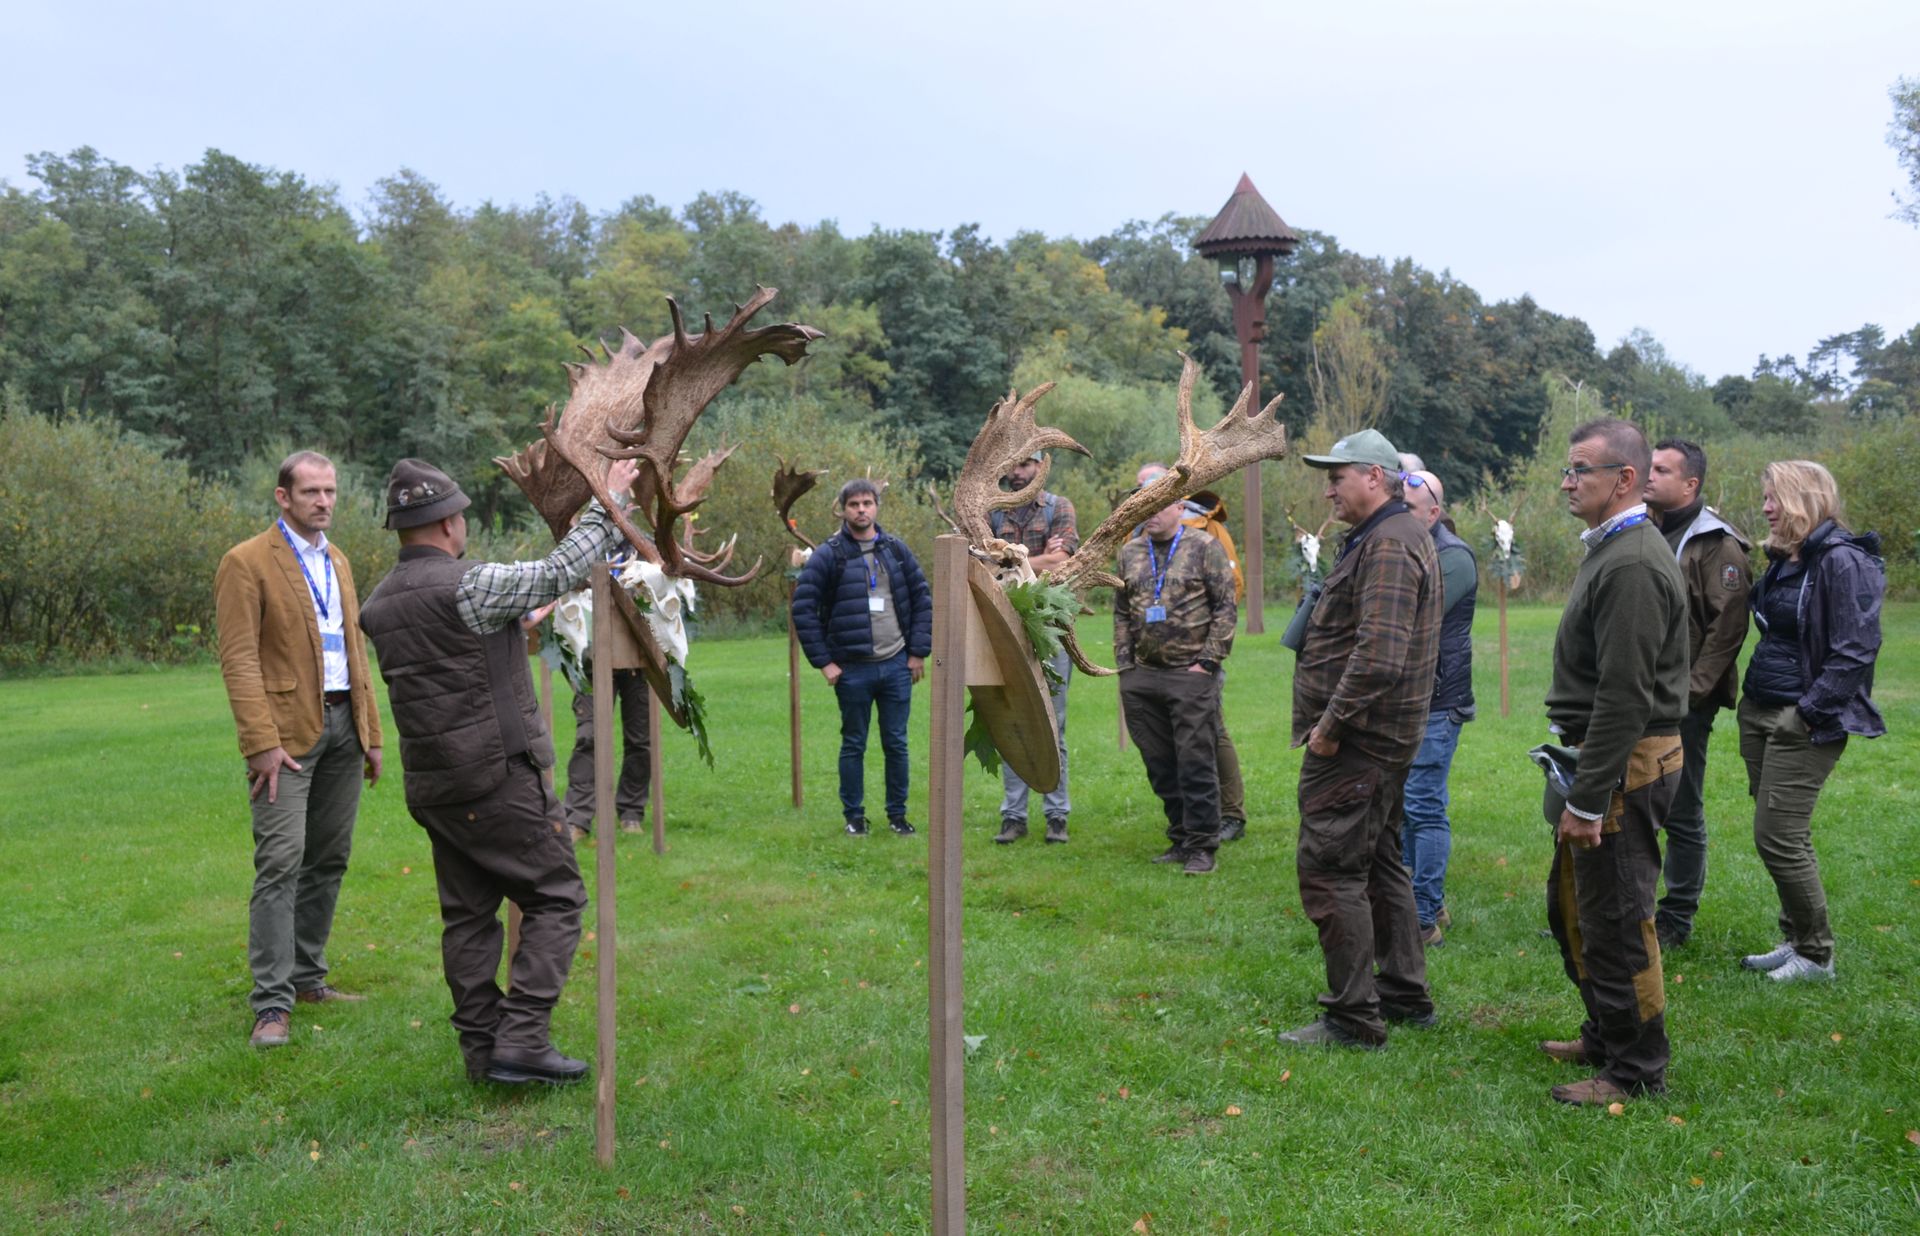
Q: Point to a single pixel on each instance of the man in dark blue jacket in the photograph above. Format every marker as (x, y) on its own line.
(864, 615)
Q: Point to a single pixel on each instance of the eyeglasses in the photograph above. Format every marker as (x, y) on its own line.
(1580, 470)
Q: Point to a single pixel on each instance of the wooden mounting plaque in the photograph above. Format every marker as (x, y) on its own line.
(634, 647)
(1010, 695)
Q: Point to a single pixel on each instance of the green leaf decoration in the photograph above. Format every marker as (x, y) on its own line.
(1047, 611)
(980, 743)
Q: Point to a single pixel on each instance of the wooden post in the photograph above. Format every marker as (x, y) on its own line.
(793, 697)
(946, 1047)
(654, 791)
(1500, 586)
(606, 824)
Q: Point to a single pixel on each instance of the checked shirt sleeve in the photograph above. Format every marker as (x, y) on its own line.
(493, 594)
(1389, 598)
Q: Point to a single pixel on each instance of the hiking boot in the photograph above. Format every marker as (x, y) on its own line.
(1200, 862)
(515, 1066)
(1569, 1051)
(1324, 1033)
(900, 826)
(1056, 830)
(580, 835)
(1011, 830)
(1232, 829)
(1593, 1092)
(1799, 968)
(856, 826)
(1769, 961)
(1172, 854)
(1431, 936)
(1406, 1016)
(325, 993)
(270, 1029)
(1443, 918)
(633, 826)
(1671, 938)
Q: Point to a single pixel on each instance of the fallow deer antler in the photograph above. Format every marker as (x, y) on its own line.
(933, 492)
(789, 486)
(640, 402)
(1008, 437)
(1238, 440)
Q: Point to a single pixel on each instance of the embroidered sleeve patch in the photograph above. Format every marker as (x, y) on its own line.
(1730, 577)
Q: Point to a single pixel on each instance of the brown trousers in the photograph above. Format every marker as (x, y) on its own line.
(1173, 717)
(1354, 889)
(505, 845)
(1600, 905)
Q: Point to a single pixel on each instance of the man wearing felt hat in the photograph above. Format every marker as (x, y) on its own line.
(1360, 693)
(296, 676)
(474, 750)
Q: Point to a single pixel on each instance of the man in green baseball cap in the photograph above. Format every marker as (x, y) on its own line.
(1360, 694)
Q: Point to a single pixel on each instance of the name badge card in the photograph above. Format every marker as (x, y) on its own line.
(1156, 613)
(877, 605)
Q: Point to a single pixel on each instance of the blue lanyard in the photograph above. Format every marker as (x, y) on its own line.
(1159, 572)
(319, 597)
(1624, 524)
(868, 557)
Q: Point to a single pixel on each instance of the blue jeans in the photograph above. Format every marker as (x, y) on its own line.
(863, 684)
(1427, 838)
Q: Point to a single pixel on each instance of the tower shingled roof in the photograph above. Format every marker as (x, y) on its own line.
(1246, 224)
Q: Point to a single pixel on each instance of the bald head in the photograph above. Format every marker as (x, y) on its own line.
(1425, 497)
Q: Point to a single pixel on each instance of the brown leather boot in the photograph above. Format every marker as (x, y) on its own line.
(270, 1029)
(1569, 1051)
(1594, 1091)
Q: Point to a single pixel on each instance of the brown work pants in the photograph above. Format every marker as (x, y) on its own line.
(1354, 889)
(1173, 717)
(1600, 905)
(505, 845)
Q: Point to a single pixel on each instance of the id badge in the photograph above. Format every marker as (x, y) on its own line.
(876, 605)
(1156, 613)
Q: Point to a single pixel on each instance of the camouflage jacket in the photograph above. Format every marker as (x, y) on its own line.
(1196, 590)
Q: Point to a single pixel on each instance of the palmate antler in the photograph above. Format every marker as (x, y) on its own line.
(789, 486)
(1008, 437)
(1238, 440)
(640, 402)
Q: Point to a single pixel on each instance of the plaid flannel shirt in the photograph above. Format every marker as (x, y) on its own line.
(1026, 525)
(492, 594)
(1366, 668)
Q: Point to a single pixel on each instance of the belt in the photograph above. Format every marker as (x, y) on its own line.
(339, 697)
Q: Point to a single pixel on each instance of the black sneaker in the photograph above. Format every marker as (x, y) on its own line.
(1173, 854)
(1389, 1011)
(517, 1066)
(1200, 862)
(1323, 1033)
(857, 826)
(900, 826)
(1232, 829)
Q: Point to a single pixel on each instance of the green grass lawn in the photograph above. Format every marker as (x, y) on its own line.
(773, 1004)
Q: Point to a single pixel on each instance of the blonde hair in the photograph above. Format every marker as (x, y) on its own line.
(1807, 497)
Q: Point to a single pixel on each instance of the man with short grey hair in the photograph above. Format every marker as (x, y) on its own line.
(296, 676)
(1360, 692)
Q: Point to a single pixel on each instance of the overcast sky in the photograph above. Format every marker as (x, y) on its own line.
(1714, 172)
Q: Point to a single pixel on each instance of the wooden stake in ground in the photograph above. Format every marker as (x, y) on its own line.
(1500, 587)
(606, 826)
(946, 1046)
(654, 790)
(793, 698)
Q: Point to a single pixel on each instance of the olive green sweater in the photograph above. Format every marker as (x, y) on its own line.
(1620, 658)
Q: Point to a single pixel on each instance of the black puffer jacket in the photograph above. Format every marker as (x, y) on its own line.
(1838, 609)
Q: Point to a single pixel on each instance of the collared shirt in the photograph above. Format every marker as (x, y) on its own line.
(323, 585)
(1592, 537)
(493, 594)
(1033, 524)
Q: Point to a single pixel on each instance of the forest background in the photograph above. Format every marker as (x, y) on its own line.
(167, 337)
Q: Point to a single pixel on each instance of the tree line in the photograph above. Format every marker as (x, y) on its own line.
(218, 315)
